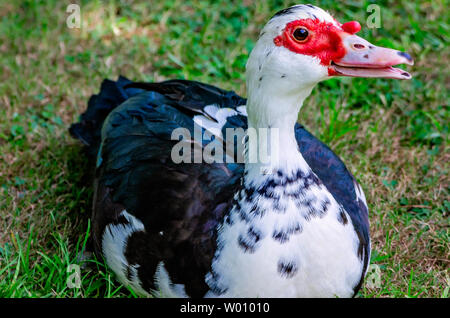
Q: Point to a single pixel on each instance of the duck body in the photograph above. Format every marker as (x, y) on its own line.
(199, 230)
(294, 225)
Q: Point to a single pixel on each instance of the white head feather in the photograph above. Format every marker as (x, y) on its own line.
(278, 80)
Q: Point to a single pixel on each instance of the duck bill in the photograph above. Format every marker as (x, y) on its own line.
(363, 59)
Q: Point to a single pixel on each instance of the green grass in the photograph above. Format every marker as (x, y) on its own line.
(393, 135)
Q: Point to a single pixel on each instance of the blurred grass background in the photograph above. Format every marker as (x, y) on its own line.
(393, 135)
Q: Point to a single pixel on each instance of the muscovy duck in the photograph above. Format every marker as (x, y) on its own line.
(296, 226)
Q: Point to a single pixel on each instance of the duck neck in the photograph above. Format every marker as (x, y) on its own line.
(271, 134)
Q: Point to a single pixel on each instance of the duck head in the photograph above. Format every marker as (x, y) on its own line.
(303, 45)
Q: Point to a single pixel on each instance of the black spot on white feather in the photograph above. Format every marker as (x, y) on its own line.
(248, 246)
(270, 184)
(290, 10)
(342, 218)
(298, 195)
(256, 210)
(311, 179)
(254, 234)
(295, 229)
(307, 203)
(283, 12)
(283, 235)
(249, 194)
(325, 204)
(309, 176)
(218, 290)
(243, 216)
(287, 269)
(313, 210)
(236, 205)
(228, 220)
(269, 194)
(278, 207)
(213, 281)
(280, 236)
(121, 219)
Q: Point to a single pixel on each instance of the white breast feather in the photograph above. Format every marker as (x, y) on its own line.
(114, 242)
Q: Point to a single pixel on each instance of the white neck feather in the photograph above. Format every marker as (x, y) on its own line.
(279, 112)
(278, 81)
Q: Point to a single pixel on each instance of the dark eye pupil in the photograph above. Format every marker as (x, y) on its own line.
(300, 34)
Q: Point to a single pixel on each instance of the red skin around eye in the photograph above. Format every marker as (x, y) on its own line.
(324, 40)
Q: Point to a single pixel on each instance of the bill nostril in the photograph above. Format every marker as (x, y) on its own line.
(358, 46)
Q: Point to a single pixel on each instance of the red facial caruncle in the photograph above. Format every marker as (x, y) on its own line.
(351, 27)
(324, 39)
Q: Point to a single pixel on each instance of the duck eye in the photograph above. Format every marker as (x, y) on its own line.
(300, 34)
